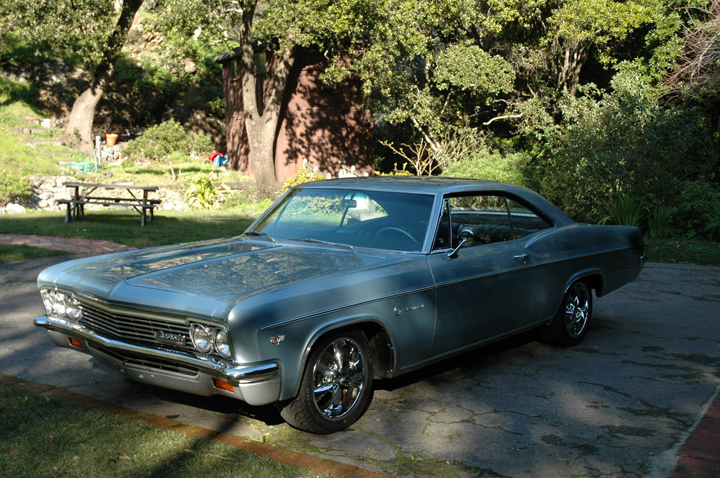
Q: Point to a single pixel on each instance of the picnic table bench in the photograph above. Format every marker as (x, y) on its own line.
(83, 195)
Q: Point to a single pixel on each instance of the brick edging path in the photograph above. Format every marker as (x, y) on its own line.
(700, 454)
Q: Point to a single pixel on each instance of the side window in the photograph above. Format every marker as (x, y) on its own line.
(524, 221)
(486, 215)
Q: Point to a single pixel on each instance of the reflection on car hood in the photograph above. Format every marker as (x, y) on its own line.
(225, 270)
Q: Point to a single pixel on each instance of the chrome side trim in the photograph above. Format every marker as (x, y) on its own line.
(240, 374)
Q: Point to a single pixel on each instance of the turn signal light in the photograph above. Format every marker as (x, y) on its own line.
(223, 385)
(75, 342)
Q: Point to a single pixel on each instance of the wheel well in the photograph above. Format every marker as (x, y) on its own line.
(594, 281)
(382, 351)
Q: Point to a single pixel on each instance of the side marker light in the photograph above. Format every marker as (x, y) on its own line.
(223, 385)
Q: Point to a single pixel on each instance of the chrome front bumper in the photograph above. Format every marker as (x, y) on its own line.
(256, 384)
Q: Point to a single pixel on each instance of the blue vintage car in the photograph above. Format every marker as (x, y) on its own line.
(339, 282)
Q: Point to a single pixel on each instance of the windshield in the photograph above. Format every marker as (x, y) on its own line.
(380, 220)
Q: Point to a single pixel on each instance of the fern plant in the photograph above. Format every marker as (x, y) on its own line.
(713, 218)
(627, 210)
(659, 222)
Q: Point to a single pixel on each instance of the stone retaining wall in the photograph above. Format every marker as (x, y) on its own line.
(47, 191)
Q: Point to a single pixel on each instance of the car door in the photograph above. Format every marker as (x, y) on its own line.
(485, 289)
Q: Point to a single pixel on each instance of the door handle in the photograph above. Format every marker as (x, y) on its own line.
(525, 258)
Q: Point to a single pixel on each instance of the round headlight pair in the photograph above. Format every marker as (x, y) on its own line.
(60, 304)
(205, 338)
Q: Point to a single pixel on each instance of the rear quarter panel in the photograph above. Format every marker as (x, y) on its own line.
(611, 255)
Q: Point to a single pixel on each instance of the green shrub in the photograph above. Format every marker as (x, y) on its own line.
(627, 211)
(305, 175)
(202, 193)
(495, 166)
(623, 143)
(161, 142)
(659, 222)
(695, 205)
(713, 218)
(13, 186)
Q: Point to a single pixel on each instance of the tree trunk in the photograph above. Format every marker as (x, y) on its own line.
(262, 120)
(78, 131)
(574, 57)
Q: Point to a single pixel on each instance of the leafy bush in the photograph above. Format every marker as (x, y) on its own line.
(13, 186)
(495, 166)
(161, 141)
(695, 206)
(305, 175)
(202, 193)
(396, 172)
(621, 144)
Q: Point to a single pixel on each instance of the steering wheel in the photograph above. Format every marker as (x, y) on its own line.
(397, 229)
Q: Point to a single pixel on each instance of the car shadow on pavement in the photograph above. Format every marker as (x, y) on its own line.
(267, 414)
(472, 359)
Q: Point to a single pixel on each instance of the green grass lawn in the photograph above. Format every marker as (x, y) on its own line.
(168, 227)
(683, 251)
(41, 437)
(10, 253)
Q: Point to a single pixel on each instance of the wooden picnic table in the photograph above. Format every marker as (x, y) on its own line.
(83, 195)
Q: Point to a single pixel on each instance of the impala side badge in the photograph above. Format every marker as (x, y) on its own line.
(399, 310)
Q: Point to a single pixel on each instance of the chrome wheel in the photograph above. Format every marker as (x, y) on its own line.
(336, 387)
(339, 376)
(577, 310)
(570, 323)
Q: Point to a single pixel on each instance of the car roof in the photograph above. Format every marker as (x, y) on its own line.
(440, 186)
(415, 184)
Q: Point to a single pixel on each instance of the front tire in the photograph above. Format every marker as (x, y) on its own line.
(571, 320)
(336, 385)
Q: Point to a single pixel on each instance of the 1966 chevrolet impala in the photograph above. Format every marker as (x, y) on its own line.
(339, 282)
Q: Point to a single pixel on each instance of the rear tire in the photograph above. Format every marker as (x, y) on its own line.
(571, 320)
(336, 385)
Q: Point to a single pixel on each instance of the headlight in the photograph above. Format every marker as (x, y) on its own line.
(222, 344)
(202, 338)
(61, 305)
(72, 308)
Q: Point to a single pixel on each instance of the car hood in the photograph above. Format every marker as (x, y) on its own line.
(218, 271)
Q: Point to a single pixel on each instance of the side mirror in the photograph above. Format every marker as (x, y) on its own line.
(467, 236)
(467, 240)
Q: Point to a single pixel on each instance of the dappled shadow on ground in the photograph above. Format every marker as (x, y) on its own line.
(230, 407)
(471, 359)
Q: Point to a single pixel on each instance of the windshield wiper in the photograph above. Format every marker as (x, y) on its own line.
(261, 234)
(318, 241)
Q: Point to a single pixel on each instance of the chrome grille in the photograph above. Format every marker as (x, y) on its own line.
(133, 329)
(132, 360)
